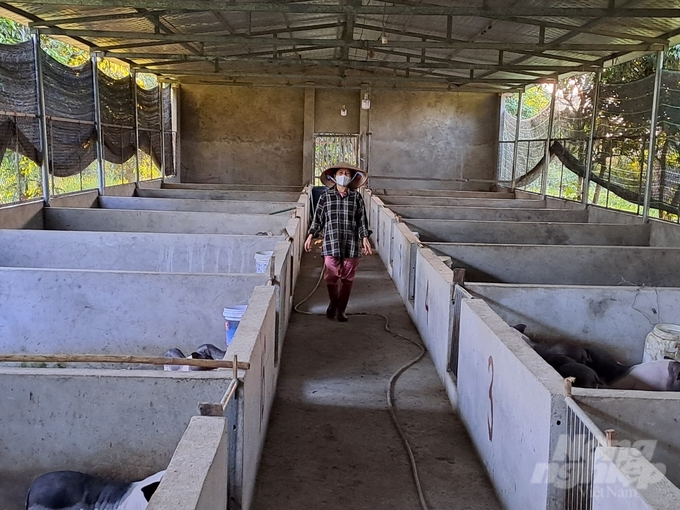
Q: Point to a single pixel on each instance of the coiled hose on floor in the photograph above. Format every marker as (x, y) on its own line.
(390, 386)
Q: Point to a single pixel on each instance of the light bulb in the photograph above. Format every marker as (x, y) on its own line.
(343, 111)
(383, 39)
(365, 102)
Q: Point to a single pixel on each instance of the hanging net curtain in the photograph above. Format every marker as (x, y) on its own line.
(620, 145)
(18, 95)
(69, 100)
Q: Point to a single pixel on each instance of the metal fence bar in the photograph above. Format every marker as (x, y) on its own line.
(583, 437)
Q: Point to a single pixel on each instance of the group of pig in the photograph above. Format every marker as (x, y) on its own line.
(594, 367)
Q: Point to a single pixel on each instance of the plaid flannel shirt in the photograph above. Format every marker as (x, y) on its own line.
(345, 223)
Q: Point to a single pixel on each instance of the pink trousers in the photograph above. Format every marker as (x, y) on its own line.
(340, 269)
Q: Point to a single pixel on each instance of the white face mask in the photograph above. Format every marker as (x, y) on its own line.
(343, 180)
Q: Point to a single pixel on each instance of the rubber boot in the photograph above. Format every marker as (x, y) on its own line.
(343, 299)
(333, 296)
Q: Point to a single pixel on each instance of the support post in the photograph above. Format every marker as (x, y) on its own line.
(175, 95)
(161, 114)
(308, 136)
(42, 117)
(99, 145)
(363, 130)
(546, 166)
(652, 136)
(585, 188)
(133, 76)
(515, 152)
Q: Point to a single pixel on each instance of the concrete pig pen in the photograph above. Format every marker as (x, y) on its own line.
(202, 194)
(48, 311)
(230, 187)
(486, 214)
(568, 265)
(112, 220)
(506, 232)
(381, 192)
(492, 203)
(195, 205)
(114, 423)
(616, 318)
(139, 418)
(131, 251)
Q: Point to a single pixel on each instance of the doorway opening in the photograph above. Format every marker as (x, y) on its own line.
(330, 149)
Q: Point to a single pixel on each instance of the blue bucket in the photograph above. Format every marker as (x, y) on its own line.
(232, 318)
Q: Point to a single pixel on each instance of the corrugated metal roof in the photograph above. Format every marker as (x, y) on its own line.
(447, 44)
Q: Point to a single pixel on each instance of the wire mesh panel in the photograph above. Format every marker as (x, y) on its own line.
(330, 149)
(506, 141)
(583, 438)
(571, 129)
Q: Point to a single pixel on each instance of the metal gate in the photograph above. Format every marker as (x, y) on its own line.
(330, 148)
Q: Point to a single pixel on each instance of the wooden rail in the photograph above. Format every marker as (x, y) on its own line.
(113, 358)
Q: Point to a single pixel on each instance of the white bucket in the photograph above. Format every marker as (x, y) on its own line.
(232, 318)
(663, 341)
(262, 259)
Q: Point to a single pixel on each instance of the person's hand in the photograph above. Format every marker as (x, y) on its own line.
(366, 245)
(308, 243)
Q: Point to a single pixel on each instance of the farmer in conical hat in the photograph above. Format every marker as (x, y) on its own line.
(341, 215)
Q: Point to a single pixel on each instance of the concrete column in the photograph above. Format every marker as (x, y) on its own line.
(308, 137)
(546, 167)
(161, 114)
(42, 117)
(99, 144)
(520, 105)
(589, 151)
(363, 131)
(133, 77)
(652, 135)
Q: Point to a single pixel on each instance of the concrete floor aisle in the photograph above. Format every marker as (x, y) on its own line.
(331, 443)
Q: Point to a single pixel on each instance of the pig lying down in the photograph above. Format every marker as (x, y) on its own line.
(205, 351)
(70, 490)
(594, 367)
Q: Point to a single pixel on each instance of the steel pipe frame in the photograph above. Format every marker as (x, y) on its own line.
(361, 44)
(99, 145)
(589, 151)
(546, 167)
(133, 77)
(652, 136)
(42, 118)
(520, 105)
(176, 58)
